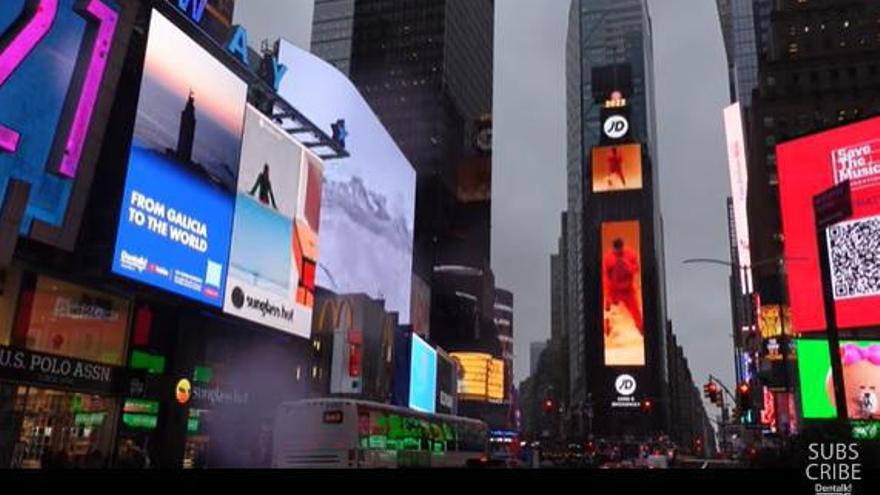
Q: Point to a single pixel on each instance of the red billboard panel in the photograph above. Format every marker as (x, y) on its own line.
(622, 294)
(807, 167)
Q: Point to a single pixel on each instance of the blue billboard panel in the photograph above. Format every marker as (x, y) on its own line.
(176, 215)
(423, 376)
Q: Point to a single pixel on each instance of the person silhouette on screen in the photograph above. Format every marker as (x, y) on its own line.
(264, 184)
(621, 268)
(615, 165)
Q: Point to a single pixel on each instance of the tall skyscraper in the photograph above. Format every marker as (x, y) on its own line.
(744, 26)
(610, 72)
(535, 350)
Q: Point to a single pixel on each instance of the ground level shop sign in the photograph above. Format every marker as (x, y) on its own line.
(45, 369)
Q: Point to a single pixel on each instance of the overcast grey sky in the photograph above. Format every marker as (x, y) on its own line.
(529, 168)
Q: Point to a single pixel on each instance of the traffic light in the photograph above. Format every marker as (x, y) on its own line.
(713, 393)
(744, 395)
(647, 406)
(548, 406)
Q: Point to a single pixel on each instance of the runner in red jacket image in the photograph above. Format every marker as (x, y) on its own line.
(615, 166)
(620, 269)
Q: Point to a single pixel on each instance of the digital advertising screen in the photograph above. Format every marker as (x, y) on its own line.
(368, 201)
(807, 167)
(175, 222)
(482, 376)
(623, 321)
(861, 378)
(265, 264)
(423, 376)
(739, 187)
(617, 168)
(55, 74)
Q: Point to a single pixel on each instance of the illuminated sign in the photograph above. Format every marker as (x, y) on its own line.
(623, 318)
(617, 168)
(483, 377)
(59, 63)
(861, 377)
(183, 391)
(367, 212)
(176, 216)
(739, 186)
(274, 238)
(807, 167)
(625, 385)
(333, 417)
(616, 127)
(423, 376)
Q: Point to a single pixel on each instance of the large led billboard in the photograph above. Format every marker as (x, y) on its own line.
(176, 215)
(623, 320)
(267, 266)
(423, 376)
(482, 377)
(617, 168)
(861, 378)
(59, 65)
(368, 202)
(739, 187)
(807, 167)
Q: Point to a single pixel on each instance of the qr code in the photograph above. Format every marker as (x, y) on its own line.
(854, 252)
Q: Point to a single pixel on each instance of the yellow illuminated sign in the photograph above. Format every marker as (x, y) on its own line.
(483, 378)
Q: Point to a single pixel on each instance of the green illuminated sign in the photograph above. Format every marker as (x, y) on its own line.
(140, 360)
(138, 406)
(814, 370)
(866, 431)
(89, 419)
(140, 421)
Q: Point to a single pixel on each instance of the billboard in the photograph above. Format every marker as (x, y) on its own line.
(482, 376)
(176, 215)
(861, 377)
(617, 168)
(368, 201)
(59, 64)
(623, 322)
(807, 167)
(421, 307)
(423, 376)
(739, 187)
(266, 265)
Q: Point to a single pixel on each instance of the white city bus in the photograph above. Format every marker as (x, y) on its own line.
(346, 433)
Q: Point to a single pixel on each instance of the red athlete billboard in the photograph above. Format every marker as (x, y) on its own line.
(622, 294)
(617, 168)
(809, 166)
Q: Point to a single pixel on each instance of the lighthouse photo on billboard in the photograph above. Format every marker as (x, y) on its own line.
(176, 214)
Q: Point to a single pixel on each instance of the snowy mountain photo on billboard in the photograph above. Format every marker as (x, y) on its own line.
(368, 199)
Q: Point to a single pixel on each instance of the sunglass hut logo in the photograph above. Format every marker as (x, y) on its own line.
(833, 468)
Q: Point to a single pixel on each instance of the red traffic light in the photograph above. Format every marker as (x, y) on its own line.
(744, 389)
(647, 405)
(548, 405)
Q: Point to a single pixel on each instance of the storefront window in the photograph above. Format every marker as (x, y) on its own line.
(9, 282)
(54, 429)
(72, 321)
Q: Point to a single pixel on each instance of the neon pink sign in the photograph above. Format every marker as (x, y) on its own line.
(23, 43)
(17, 50)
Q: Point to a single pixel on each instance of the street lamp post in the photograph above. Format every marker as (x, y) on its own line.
(752, 310)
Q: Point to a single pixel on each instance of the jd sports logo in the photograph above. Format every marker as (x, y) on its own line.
(616, 126)
(625, 385)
